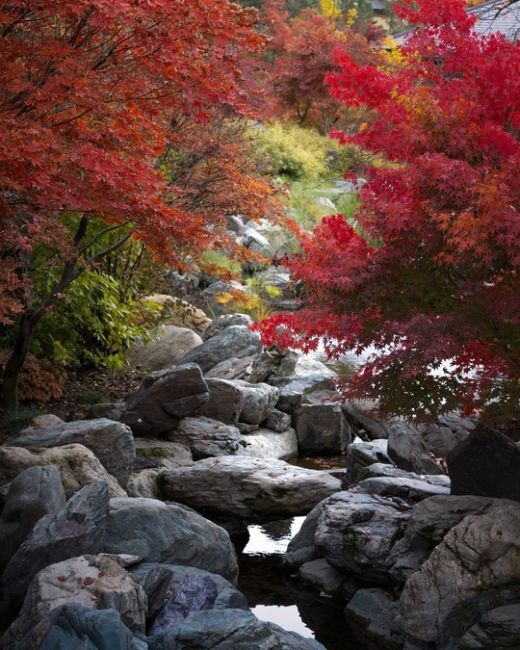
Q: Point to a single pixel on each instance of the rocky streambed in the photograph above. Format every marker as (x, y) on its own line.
(122, 531)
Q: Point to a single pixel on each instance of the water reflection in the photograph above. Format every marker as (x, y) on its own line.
(277, 597)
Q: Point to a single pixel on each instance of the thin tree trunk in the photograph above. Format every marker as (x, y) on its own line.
(14, 365)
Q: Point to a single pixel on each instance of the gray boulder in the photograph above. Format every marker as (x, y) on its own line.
(75, 626)
(169, 533)
(486, 463)
(221, 323)
(301, 548)
(248, 488)
(232, 629)
(375, 611)
(408, 450)
(97, 582)
(321, 428)
(153, 453)
(409, 489)
(498, 628)
(144, 484)
(236, 341)
(259, 401)
(164, 399)
(382, 469)
(232, 368)
(361, 454)
(226, 401)
(264, 443)
(322, 576)
(429, 522)
(205, 437)
(175, 591)
(34, 493)
(111, 442)
(365, 425)
(76, 530)
(357, 532)
(477, 555)
(168, 345)
(278, 421)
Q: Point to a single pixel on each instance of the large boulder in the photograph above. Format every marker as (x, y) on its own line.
(236, 341)
(75, 626)
(384, 469)
(175, 591)
(321, 427)
(259, 401)
(301, 548)
(479, 554)
(226, 401)
(356, 533)
(429, 522)
(169, 533)
(361, 454)
(164, 399)
(487, 463)
(77, 529)
(264, 443)
(111, 442)
(360, 415)
(98, 582)
(378, 614)
(232, 629)
(408, 450)
(76, 464)
(248, 488)
(223, 322)
(164, 350)
(205, 437)
(34, 493)
(498, 628)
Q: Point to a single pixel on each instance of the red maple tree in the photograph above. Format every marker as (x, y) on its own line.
(424, 279)
(88, 92)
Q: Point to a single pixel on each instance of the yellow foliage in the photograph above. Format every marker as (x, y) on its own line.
(352, 14)
(391, 52)
(330, 8)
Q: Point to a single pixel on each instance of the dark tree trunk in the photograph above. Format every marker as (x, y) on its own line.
(14, 365)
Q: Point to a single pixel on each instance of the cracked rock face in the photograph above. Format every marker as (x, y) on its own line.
(481, 553)
(97, 582)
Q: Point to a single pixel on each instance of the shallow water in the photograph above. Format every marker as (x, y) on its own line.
(276, 596)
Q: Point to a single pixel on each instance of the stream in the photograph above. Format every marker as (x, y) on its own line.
(277, 596)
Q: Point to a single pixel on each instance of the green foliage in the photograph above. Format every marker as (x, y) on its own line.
(92, 324)
(297, 153)
(221, 263)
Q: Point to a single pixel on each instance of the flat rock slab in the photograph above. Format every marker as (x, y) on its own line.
(248, 487)
(410, 489)
(111, 442)
(168, 532)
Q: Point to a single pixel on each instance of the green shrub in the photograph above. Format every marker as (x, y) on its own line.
(298, 153)
(92, 324)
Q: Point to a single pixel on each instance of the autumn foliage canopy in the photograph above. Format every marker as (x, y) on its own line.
(424, 279)
(88, 92)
